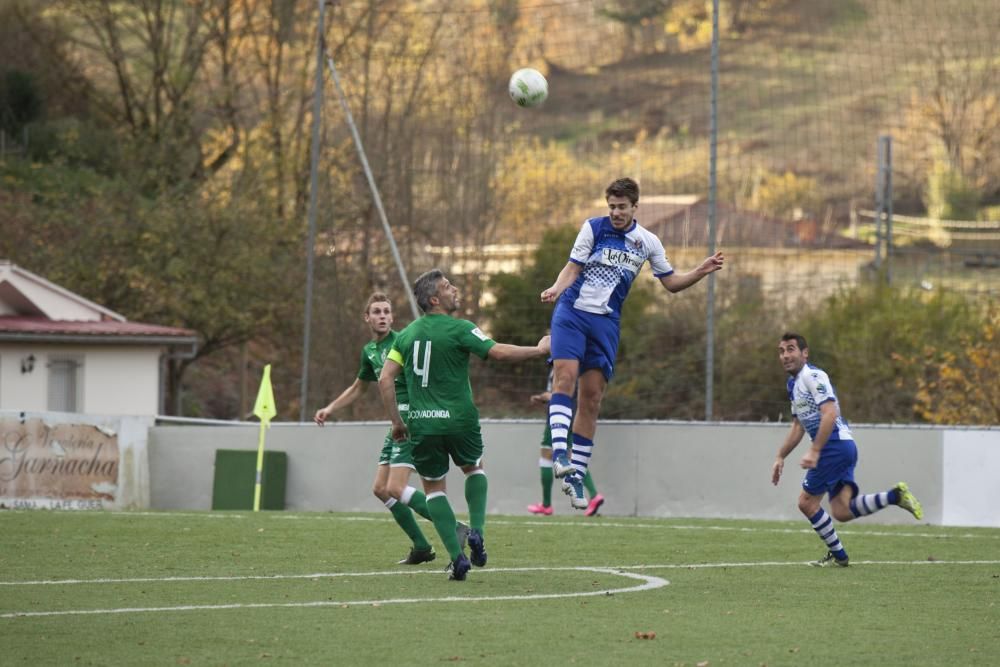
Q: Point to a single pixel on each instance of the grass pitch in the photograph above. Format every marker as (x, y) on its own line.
(100, 588)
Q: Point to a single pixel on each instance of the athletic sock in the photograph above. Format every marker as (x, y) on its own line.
(404, 517)
(416, 500)
(582, 448)
(560, 417)
(588, 482)
(476, 486)
(873, 502)
(545, 466)
(443, 517)
(823, 525)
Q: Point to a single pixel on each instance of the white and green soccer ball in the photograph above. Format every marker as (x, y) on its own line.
(528, 88)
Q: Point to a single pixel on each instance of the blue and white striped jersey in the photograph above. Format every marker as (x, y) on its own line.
(611, 260)
(807, 391)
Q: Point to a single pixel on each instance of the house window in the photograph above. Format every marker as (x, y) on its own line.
(64, 383)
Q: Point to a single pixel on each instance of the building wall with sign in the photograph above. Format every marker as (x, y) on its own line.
(71, 461)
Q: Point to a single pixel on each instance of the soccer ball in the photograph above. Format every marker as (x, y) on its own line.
(528, 88)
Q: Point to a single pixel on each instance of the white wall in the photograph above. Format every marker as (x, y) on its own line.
(122, 381)
(643, 468)
(971, 479)
(114, 380)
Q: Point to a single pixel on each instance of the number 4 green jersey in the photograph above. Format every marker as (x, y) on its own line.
(434, 353)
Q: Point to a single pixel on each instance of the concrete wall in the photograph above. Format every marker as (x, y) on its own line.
(642, 468)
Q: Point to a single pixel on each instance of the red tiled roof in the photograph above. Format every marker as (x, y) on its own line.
(32, 326)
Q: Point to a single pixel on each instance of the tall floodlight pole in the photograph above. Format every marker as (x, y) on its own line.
(712, 187)
(313, 196)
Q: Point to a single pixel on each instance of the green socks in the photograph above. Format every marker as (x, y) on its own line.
(547, 478)
(404, 517)
(417, 502)
(476, 485)
(443, 517)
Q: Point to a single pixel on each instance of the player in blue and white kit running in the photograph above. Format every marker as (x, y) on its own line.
(589, 293)
(832, 457)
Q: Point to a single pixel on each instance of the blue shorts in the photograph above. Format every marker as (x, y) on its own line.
(589, 338)
(835, 469)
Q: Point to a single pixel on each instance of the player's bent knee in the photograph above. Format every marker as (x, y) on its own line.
(841, 514)
(808, 506)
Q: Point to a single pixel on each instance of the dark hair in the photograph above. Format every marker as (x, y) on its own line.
(798, 338)
(426, 286)
(377, 297)
(623, 187)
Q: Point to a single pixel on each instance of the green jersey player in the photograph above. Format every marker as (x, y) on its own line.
(443, 423)
(392, 475)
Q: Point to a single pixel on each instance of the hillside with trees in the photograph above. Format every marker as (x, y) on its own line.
(156, 160)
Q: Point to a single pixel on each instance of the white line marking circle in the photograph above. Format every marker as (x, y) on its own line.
(648, 583)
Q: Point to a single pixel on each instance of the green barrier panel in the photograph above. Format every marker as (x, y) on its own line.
(236, 475)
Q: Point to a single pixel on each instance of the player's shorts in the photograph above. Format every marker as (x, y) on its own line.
(397, 453)
(835, 469)
(590, 339)
(431, 452)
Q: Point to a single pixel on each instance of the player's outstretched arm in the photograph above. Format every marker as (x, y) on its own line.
(346, 397)
(514, 353)
(676, 282)
(566, 277)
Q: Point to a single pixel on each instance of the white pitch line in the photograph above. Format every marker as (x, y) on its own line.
(648, 583)
(739, 529)
(599, 523)
(382, 573)
(705, 566)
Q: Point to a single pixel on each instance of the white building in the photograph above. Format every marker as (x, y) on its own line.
(61, 352)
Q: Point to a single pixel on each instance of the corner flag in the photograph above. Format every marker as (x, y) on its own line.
(264, 410)
(264, 407)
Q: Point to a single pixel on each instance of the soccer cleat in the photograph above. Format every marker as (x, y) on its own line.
(538, 508)
(462, 533)
(477, 548)
(418, 556)
(561, 465)
(594, 505)
(908, 501)
(830, 559)
(572, 486)
(458, 568)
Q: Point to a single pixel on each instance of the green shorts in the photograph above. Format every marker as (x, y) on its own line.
(431, 452)
(396, 453)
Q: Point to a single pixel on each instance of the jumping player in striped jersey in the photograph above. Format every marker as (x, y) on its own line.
(589, 292)
(831, 459)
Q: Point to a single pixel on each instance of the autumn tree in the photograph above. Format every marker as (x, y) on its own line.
(960, 386)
